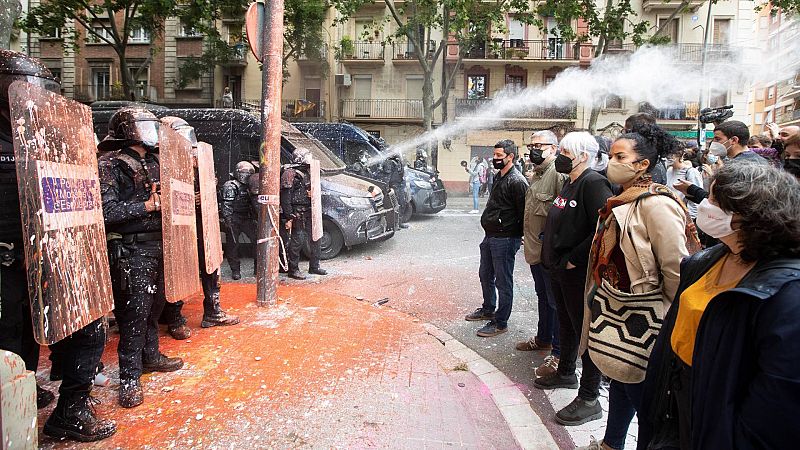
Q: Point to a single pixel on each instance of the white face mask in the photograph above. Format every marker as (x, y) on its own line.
(717, 149)
(713, 221)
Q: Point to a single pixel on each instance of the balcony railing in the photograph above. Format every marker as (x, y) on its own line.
(540, 50)
(381, 108)
(466, 107)
(689, 53)
(237, 55)
(294, 112)
(364, 51)
(95, 92)
(323, 55)
(403, 51)
(685, 111)
(788, 116)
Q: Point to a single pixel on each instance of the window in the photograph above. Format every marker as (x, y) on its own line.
(358, 152)
(477, 86)
(56, 71)
(670, 28)
(718, 99)
(101, 83)
(100, 31)
(52, 33)
(141, 82)
(191, 84)
(515, 82)
(188, 31)
(235, 35)
(612, 102)
(722, 31)
(139, 36)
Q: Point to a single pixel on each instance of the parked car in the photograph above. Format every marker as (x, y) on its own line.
(352, 209)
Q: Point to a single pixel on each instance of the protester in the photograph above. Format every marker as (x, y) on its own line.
(639, 120)
(545, 186)
(725, 370)
(600, 162)
(790, 138)
(476, 169)
(681, 169)
(762, 146)
(129, 180)
(642, 235)
(502, 221)
(567, 239)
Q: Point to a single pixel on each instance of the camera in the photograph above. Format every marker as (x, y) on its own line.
(716, 115)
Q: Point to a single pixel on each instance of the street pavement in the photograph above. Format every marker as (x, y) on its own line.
(327, 367)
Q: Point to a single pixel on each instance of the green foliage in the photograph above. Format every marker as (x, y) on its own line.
(789, 7)
(346, 48)
(303, 31)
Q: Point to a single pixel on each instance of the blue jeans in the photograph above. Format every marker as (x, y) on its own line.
(476, 189)
(497, 276)
(624, 400)
(547, 327)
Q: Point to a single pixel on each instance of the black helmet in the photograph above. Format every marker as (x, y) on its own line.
(243, 171)
(131, 126)
(16, 66)
(182, 127)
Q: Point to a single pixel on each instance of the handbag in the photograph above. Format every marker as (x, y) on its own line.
(623, 331)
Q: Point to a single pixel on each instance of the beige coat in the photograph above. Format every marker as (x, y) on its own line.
(545, 186)
(653, 239)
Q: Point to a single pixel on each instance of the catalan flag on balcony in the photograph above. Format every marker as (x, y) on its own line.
(301, 106)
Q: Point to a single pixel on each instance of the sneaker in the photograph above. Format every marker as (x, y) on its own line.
(555, 380)
(162, 364)
(533, 345)
(179, 331)
(474, 211)
(491, 329)
(579, 412)
(593, 445)
(130, 393)
(479, 316)
(550, 366)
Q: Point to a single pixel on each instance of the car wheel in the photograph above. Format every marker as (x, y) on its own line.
(331, 243)
(406, 212)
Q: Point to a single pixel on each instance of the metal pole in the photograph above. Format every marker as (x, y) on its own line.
(701, 128)
(268, 221)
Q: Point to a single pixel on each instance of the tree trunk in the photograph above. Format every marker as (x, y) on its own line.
(125, 75)
(427, 114)
(9, 10)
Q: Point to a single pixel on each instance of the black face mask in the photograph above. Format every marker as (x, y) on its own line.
(498, 163)
(792, 166)
(563, 164)
(536, 157)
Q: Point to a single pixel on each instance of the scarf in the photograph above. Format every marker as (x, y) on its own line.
(606, 238)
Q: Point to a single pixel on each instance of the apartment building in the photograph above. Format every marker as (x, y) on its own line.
(777, 98)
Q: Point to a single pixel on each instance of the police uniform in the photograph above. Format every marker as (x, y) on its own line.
(295, 197)
(238, 216)
(137, 270)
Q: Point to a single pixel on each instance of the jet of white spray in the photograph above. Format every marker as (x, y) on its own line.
(660, 76)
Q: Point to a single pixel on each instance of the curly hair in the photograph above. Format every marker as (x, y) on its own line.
(768, 202)
(652, 142)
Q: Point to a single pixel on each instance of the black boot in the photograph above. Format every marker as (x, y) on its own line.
(73, 418)
(130, 393)
(163, 363)
(236, 274)
(43, 397)
(214, 316)
(296, 275)
(317, 271)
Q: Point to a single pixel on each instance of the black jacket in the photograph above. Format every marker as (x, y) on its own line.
(505, 210)
(572, 221)
(125, 185)
(745, 374)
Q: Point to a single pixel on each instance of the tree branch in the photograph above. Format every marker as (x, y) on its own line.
(666, 23)
(449, 84)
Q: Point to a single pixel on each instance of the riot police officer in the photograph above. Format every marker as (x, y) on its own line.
(129, 185)
(73, 416)
(296, 214)
(213, 315)
(237, 215)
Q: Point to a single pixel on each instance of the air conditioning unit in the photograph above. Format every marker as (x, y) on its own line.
(344, 79)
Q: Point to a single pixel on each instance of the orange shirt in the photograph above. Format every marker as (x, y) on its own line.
(693, 303)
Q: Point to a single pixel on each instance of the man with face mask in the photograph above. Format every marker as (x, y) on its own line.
(237, 215)
(546, 183)
(502, 221)
(296, 214)
(790, 137)
(129, 185)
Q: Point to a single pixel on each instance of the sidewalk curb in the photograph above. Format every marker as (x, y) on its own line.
(525, 424)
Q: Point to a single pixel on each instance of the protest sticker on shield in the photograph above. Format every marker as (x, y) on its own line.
(65, 253)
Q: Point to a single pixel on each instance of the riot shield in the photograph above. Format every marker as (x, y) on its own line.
(181, 266)
(316, 201)
(212, 241)
(69, 281)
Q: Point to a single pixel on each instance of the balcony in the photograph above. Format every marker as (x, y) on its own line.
(465, 107)
(552, 49)
(87, 93)
(653, 5)
(363, 54)
(689, 53)
(788, 118)
(683, 112)
(237, 56)
(294, 111)
(403, 53)
(380, 109)
(323, 56)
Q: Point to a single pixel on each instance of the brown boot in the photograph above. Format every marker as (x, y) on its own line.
(179, 331)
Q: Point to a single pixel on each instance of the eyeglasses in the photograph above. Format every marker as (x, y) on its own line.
(538, 146)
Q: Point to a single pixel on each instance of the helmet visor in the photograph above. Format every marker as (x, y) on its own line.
(147, 131)
(188, 133)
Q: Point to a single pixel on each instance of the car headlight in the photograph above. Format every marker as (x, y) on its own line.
(422, 184)
(356, 202)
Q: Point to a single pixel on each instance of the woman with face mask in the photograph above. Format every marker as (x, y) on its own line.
(642, 235)
(725, 370)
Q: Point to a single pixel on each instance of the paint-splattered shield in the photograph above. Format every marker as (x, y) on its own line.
(181, 271)
(316, 202)
(212, 241)
(62, 217)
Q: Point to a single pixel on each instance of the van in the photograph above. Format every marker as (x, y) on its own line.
(353, 210)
